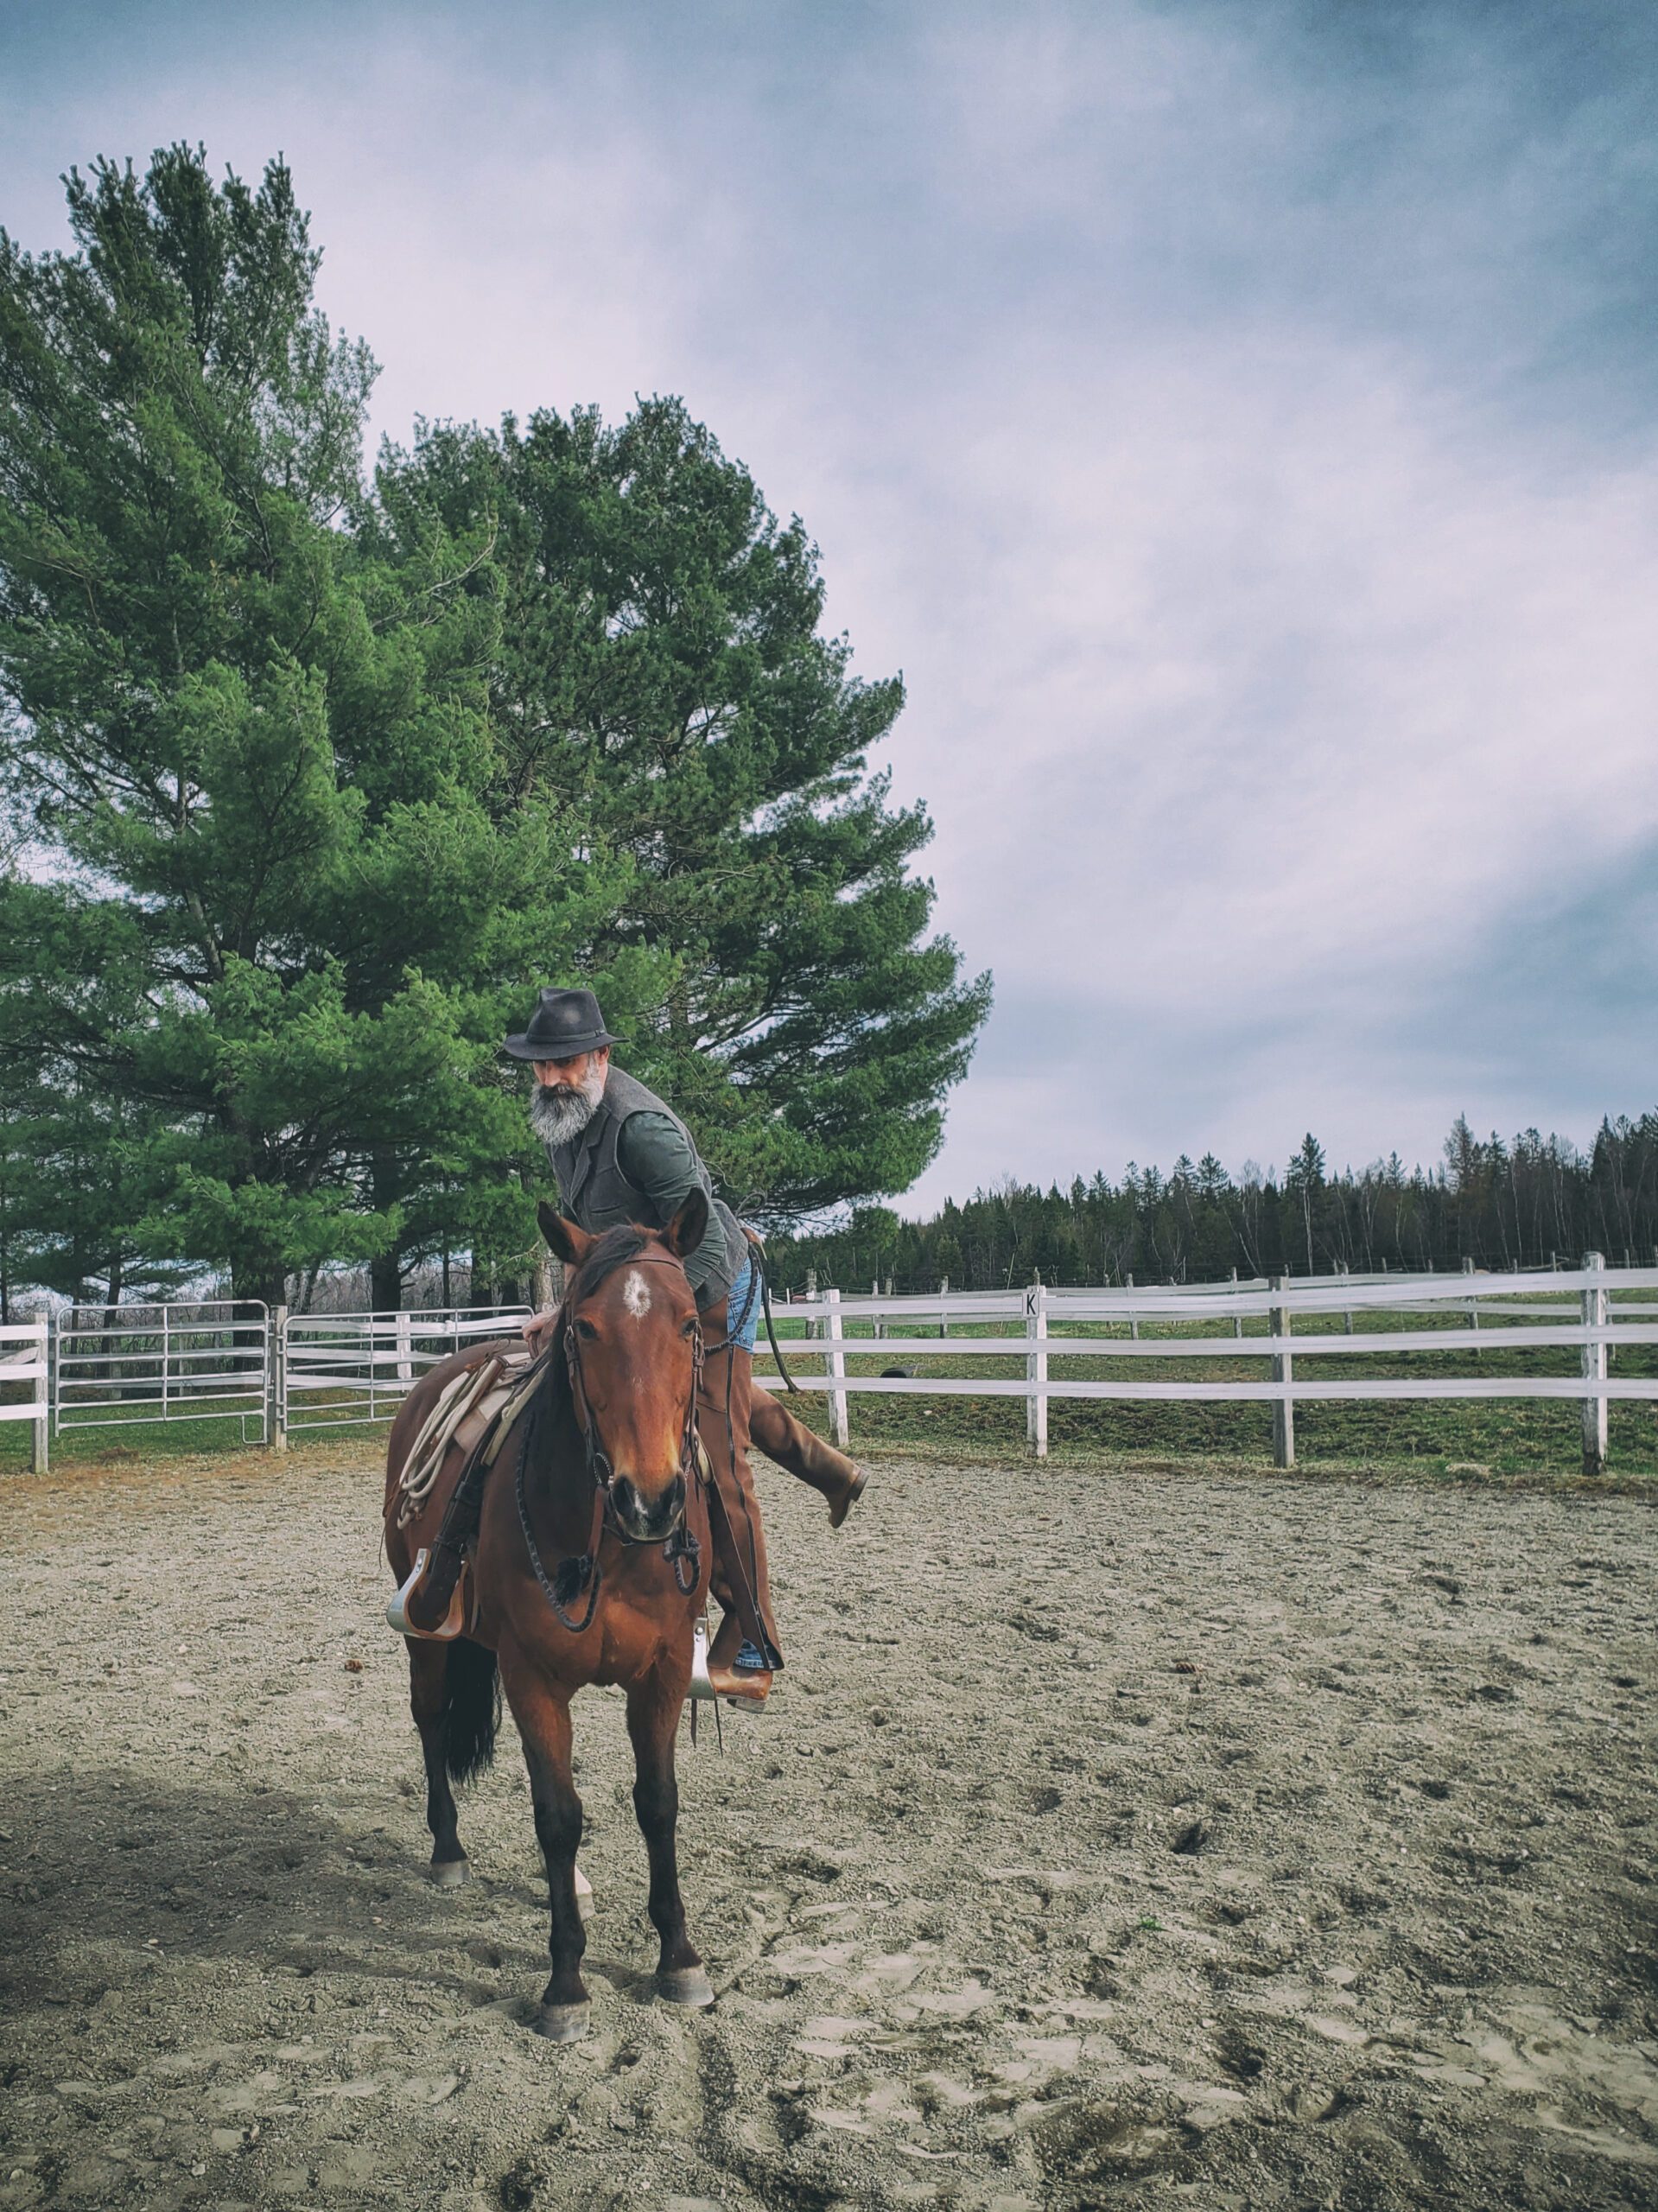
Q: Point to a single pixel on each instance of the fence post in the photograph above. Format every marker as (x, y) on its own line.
(1473, 1311)
(835, 1370)
(1237, 1319)
(1133, 1318)
(1036, 1369)
(1283, 1408)
(877, 1325)
(57, 1372)
(276, 1378)
(944, 1318)
(38, 1454)
(1347, 1316)
(1594, 1370)
(810, 1326)
(405, 1347)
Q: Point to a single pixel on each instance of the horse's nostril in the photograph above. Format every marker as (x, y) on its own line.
(646, 1517)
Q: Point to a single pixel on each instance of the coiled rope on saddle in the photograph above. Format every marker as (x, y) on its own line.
(425, 1462)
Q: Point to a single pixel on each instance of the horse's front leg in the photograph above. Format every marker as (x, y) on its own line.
(542, 1709)
(653, 1707)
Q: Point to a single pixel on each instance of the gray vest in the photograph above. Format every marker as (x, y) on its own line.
(597, 1194)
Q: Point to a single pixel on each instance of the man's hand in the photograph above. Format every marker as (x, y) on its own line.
(538, 1331)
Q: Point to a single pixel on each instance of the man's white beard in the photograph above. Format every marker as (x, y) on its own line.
(557, 1114)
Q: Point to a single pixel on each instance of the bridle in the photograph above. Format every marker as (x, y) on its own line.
(680, 1548)
(599, 1465)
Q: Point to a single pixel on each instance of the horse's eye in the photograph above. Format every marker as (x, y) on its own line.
(689, 1329)
(586, 1329)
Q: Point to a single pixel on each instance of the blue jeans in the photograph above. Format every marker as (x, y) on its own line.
(743, 1307)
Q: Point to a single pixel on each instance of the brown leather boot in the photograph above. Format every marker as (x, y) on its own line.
(743, 1685)
(800, 1453)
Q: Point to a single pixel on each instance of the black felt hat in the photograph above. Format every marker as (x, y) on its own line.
(563, 1024)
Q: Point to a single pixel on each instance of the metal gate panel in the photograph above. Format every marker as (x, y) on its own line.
(341, 1370)
(200, 1360)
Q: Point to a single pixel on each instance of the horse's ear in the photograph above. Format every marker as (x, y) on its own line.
(569, 1243)
(689, 1225)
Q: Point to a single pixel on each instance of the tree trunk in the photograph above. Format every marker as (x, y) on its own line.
(385, 1269)
(385, 1282)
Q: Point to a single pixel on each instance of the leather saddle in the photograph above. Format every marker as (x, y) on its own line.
(447, 1465)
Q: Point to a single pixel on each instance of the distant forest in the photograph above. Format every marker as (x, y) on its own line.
(1524, 1202)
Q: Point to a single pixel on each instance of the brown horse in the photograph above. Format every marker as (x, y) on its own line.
(592, 1565)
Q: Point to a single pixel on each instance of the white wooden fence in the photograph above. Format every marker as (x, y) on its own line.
(337, 1369)
(25, 1357)
(1504, 1312)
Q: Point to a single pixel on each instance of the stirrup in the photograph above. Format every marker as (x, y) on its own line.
(702, 1687)
(452, 1623)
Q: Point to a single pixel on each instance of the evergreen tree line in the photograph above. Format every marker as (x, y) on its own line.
(1525, 1203)
(315, 776)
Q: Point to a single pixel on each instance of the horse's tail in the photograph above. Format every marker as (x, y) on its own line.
(472, 1709)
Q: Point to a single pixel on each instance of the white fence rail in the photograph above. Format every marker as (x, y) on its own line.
(285, 1372)
(25, 1358)
(1585, 1330)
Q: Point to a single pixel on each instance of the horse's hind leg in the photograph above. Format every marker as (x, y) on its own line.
(653, 1707)
(428, 1699)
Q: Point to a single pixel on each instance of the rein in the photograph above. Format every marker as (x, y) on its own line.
(758, 1258)
(583, 1574)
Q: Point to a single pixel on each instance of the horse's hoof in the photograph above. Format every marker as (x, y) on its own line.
(564, 2023)
(450, 1873)
(685, 1986)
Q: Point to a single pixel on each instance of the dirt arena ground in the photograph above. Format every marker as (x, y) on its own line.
(1120, 1835)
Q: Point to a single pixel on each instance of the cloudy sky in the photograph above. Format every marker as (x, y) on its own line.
(1235, 418)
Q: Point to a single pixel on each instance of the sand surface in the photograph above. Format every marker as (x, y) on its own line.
(1116, 1837)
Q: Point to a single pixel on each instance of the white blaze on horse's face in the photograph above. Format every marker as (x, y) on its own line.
(635, 1296)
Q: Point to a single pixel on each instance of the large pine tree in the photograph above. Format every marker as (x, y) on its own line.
(276, 910)
(662, 672)
(316, 783)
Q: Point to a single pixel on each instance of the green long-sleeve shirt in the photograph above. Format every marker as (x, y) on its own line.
(657, 1158)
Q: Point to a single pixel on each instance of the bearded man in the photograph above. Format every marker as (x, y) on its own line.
(621, 1155)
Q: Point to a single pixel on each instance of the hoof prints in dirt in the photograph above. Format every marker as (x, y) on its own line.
(1235, 1888)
